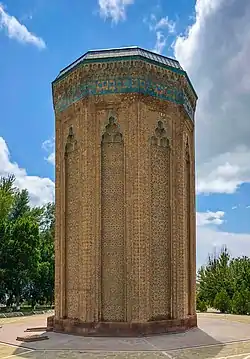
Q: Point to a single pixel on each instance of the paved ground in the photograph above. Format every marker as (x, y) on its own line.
(218, 336)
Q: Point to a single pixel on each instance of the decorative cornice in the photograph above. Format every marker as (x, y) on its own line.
(126, 59)
(162, 91)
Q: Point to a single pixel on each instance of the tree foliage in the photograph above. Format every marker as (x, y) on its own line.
(222, 301)
(201, 304)
(224, 283)
(27, 259)
(26, 247)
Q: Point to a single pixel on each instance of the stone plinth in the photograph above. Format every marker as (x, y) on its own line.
(122, 329)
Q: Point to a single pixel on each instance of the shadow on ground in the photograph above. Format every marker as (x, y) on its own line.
(176, 345)
(215, 338)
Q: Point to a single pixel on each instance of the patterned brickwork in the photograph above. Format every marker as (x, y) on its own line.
(160, 225)
(91, 238)
(188, 225)
(112, 226)
(87, 196)
(192, 217)
(125, 209)
(71, 226)
(59, 218)
(178, 229)
(134, 283)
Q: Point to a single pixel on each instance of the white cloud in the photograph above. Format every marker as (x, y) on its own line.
(163, 23)
(114, 9)
(163, 28)
(210, 238)
(215, 52)
(49, 147)
(208, 218)
(15, 30)
(161, 42)
(41, 190)
(51, 158)
(225, 172)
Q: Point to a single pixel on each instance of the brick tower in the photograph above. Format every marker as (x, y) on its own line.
(125, 195)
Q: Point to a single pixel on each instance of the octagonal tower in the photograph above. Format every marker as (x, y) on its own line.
(125, 195)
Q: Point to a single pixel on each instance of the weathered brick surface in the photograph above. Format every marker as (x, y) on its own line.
(123, 329)
(113, 225)
(125, 210)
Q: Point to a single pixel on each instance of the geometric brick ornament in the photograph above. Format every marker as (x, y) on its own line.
(125, 241)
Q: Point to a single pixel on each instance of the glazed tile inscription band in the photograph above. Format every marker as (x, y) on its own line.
(124, 85)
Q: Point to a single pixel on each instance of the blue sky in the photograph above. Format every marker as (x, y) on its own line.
(211, 39)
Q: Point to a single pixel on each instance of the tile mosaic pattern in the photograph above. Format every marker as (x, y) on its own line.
(121, 86)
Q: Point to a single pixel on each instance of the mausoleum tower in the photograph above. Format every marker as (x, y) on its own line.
(125, 195)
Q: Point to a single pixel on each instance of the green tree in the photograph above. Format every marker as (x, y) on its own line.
(222, 301)
(216, 275)
(20, 256)
(41, 286)
(20, 205)
(7, 191)
(240, 273)
(47, 252)
(241, 302)
(224, 283)
(26, 246)
(201, 304)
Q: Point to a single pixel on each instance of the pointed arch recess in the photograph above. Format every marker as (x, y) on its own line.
(160, 224)
(71, 226)
(112, 224)
(188, 211)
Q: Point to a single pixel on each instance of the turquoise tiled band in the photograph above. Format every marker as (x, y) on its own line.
(122, 86)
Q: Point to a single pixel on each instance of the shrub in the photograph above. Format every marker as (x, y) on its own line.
(201, 304)
(222, 302)
(241, 302)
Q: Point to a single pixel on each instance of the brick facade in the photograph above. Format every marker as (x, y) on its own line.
(125, 202)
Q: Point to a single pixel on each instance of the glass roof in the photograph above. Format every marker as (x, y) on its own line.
(122, 52)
